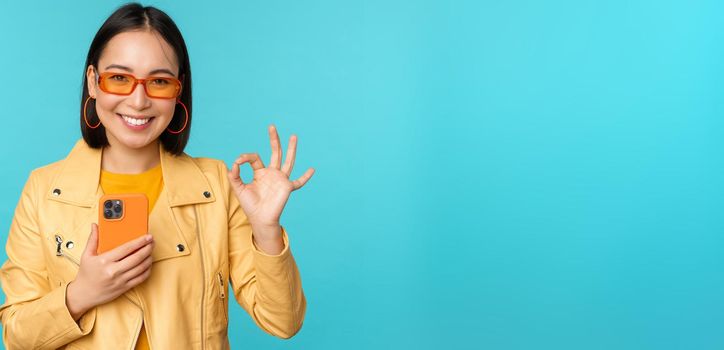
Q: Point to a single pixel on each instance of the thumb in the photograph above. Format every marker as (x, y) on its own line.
(235, 176)
(91, 248)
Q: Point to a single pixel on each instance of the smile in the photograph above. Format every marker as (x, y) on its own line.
(136, 122)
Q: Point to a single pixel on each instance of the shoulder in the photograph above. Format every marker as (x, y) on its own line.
(39, 179)
(215, 173)
(214, 170)
(79, 154)
(209, 165)
(43, 176)
(47, 171)
(206, 163)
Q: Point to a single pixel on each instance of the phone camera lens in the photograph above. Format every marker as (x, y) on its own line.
(117, 208)
(108, 204)
(108, 213)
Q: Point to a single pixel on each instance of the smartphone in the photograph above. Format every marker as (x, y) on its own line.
(121, 218)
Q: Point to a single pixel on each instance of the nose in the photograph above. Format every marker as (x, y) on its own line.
(138, 98)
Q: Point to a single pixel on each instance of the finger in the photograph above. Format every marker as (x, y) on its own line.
(135, 258)
(251, 158)
(298, 183)
(137, 270)
(139, 279)
(127, 248)
(91, 248)
(276, 146)
(235, 175)
(291, 154)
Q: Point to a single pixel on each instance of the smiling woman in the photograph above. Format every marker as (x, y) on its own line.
(207, 229)
(123, 110)
(144, 46)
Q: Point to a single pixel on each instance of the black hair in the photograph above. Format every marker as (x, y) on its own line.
(130, 17)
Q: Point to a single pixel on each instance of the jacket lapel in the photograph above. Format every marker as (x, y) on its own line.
(77, 182)
(184, 181)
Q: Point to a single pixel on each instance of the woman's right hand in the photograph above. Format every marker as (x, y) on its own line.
(103, 277)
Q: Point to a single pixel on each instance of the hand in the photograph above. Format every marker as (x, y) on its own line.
(102, 278)
(265, 197)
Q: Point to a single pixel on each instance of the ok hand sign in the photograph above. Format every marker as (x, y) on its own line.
(265, 197)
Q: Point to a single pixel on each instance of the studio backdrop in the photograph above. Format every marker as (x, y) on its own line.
(489, 174)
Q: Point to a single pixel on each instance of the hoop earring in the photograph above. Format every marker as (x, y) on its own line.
(85, 118)
(185, 121)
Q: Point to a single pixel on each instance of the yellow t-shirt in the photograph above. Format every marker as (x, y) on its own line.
(149, 182)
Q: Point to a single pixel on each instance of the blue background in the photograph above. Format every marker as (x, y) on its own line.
(493, 175)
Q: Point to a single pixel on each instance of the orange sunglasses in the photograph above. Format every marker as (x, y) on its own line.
(124, 84)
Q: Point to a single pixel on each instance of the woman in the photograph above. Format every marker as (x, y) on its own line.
(207, 228)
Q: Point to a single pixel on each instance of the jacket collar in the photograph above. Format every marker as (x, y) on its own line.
(78, 181)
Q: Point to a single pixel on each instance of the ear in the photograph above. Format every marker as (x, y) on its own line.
(182, 77)
(90, 76)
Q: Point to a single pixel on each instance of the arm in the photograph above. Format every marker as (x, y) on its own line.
(34, 315)
(267, 286)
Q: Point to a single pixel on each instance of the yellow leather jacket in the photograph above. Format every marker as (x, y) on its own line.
(203, 241)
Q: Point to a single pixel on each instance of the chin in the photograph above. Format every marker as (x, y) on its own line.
(135, 141)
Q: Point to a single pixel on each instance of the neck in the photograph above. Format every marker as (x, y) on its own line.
(120, 159)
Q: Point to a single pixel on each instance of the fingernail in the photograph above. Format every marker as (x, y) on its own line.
(149, 238)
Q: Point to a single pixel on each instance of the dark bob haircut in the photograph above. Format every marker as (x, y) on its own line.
(131, 17)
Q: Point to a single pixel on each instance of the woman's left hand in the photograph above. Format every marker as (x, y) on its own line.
(265, 197)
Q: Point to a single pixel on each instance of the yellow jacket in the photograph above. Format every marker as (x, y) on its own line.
(203, 241)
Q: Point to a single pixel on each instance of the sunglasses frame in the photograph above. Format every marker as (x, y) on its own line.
(105, 75)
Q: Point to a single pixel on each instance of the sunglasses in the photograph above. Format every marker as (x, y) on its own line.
(124, 84)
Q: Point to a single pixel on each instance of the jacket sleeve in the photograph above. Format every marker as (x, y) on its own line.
(34, 315)
(268, 287)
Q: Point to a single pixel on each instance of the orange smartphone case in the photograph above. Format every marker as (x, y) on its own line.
(119, 228)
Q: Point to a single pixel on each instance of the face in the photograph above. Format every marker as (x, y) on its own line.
(136, 120)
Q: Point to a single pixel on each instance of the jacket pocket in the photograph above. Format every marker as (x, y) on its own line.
(222, 291)
(216, 297)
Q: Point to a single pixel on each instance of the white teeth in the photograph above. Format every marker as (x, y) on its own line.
(134, 121)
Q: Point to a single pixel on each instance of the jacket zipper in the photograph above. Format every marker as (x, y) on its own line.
(203, 286)
(222, 295)
(59, 250)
